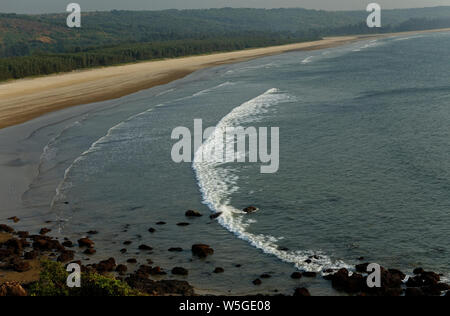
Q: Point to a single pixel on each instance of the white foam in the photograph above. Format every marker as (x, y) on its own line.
(308, 60)
(206, 91)
(217, 183)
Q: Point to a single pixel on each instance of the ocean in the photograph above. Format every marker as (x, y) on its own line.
(364, 167)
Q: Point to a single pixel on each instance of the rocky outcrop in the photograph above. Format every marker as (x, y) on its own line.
(12, 289)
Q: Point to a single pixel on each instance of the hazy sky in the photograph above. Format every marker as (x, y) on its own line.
(45, 6)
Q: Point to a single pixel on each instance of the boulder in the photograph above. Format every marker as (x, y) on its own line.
(179, 271)
(310, 274)
(89, 251)
(106, 265)
(215, 215)
(192, 213)
(301, 292)
(202, 250)
(219, 270)
(296, 275)
(250, 209)
(44, 231)
(145, 248)
(66, 255)
(15, 219)
(86, 242)
(121, 268)
(257, 282)
(175, 249)
(6, 229)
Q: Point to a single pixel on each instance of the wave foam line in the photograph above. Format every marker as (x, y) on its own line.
(218, 183)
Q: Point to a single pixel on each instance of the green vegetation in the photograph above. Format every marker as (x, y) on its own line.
(53, 283)
(32, 45)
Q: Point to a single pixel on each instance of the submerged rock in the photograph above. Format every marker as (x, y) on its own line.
(219, 270)
(192, 213)
(86, 242)
(202, 250)
(250, 209)
(179, 271)
(296, 275)
(215, 215)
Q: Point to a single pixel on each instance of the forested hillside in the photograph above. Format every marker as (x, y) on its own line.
(43, 44)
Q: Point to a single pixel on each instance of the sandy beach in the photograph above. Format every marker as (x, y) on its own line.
(25, 99)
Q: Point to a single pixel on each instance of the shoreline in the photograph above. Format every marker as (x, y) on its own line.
(25, 99)
(17, 167)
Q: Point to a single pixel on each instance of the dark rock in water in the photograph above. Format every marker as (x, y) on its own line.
(257, 282)
(423, 279)
(151, 230)
(310, 274)
(127, 242)
(284, 249)
(414, 291)
(23, 234)
(132, 260)
(215, 215)
(362, 268)
(161, 223)
(341, 281)
(67, 244)
(92, 232)
(202, 251)
(6, 229)
(121, 268)
(265, 276)
(157, 271)
(145, 248)
(308, 261)
(250, 209)
(179, 271)
(44, 231)
(397, 273)
(192, 213)
(86, 242)
(296, 275)
(122, 251)
(219, 270)
(238, 265)
(176, 249)
(418, 271)
(66, 255)
(183, 224)
(160, 288)
(15, 219)
(90, 251)
(361, 258)
(301, 292)
(106, 265)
